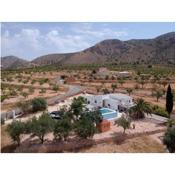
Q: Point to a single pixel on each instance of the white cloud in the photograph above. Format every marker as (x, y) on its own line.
(66, 43)
(27, 40)
(32, 42)
(103, 33)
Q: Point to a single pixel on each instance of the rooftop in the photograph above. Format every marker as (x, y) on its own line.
(114, 96)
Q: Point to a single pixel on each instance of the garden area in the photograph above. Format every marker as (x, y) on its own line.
(76, 130)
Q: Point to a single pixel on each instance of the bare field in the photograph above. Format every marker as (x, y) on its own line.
(40, 84)
(144, 144)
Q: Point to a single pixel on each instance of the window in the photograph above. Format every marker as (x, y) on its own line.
(95, 101)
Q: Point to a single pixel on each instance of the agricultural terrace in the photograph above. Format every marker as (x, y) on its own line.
(148, 82)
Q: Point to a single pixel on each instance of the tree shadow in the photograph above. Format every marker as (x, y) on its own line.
(9, 148)
(71, 145)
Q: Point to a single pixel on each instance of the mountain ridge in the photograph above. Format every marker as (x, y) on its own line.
(159, 50)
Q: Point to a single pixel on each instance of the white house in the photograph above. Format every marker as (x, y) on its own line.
(116, 101)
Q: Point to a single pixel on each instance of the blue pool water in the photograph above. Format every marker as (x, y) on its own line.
(108, 113)
(105, 110)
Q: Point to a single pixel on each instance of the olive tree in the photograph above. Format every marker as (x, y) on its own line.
(124, 122)
(15, 130)
(78, 105)
(85, 127)
(42, 126)
(62, 128)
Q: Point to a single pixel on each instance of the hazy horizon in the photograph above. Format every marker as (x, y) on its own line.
(31, 40)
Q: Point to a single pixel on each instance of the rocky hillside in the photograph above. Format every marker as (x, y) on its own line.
(13, 62)
(160, 50)
(10, 62)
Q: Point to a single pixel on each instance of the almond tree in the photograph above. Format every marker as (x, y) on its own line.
(158, 94)
(129, 90)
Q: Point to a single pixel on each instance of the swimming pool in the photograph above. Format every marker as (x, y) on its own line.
(108, 113)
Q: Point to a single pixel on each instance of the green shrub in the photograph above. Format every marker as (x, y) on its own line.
(169, 139)
(25, 81)
(171, 123)
(33, 81)
(38, 104)
(31, 90)
(3, 97)
(24, 94)
(13, 93)
(55, 88)
(159, 111)
(44, 80)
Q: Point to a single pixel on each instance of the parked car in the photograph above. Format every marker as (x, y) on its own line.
(55, 115)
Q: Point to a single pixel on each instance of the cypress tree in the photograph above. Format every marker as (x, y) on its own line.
(169, 100)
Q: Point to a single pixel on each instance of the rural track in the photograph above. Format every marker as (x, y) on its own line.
(73, 90)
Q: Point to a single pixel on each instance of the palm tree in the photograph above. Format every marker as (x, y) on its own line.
(138, 111)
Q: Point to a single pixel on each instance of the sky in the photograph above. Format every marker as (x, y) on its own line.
(29, 40)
